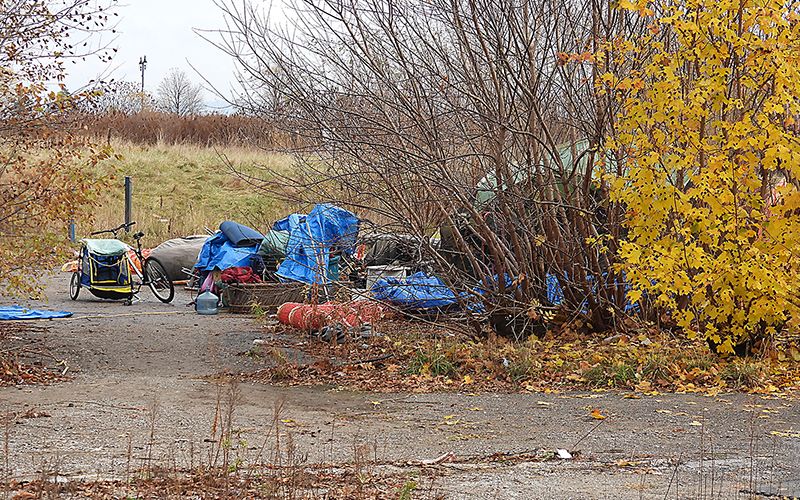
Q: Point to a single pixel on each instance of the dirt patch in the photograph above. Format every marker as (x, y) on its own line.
(140, 398)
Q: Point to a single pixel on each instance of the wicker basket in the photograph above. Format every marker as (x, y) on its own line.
(268, 296)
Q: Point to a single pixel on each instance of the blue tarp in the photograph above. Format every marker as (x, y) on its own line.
(18, 312)
(219, 252)
(418, 291)
(311, 239)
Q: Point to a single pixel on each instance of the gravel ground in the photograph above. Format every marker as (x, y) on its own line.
(139, 395)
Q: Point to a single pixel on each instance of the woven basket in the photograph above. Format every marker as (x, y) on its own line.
(242, 297)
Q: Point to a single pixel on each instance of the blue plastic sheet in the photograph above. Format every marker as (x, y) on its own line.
(418, 291)
(19, 312)
(312, 238)
(219, 252)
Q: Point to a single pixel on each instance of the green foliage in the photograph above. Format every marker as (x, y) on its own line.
(407, 490)
(429, 359)
(710, 189)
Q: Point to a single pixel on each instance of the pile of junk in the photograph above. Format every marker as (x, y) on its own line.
(315, 272)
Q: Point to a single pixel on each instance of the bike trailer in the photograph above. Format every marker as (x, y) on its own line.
(105, 268)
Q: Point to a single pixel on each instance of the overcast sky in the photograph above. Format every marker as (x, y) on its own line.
(162, 30)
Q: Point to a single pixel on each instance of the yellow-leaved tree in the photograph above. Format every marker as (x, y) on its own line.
(712, 165)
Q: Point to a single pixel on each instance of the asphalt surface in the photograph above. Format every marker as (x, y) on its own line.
(140, 394)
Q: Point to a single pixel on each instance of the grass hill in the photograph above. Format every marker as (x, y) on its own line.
(179, 190)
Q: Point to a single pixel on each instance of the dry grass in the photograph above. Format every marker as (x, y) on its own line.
(428, 358)
(180, 189)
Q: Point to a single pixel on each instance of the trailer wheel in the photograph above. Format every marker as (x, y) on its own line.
(75, 285)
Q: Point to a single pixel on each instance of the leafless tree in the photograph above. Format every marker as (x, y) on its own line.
(176, 94)
(118, 97)
(473, 121)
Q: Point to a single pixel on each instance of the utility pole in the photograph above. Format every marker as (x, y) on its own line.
(142, 66)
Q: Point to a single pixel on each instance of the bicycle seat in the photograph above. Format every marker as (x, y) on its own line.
(138, 235)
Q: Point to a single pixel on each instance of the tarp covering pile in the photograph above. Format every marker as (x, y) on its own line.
(312, 240)
(416, 292)
(221, 251)
(420, 291)
(178, 254)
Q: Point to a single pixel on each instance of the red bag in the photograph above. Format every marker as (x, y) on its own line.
(239, 275)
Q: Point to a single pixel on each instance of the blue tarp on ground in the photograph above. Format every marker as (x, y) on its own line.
(312, 237)
(18, 312)
(418, 291)
(219, 252)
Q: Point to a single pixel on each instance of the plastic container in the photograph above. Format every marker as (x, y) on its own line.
(207, 303)
(375, 273)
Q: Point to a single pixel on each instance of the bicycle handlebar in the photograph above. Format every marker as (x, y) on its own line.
(115, 230)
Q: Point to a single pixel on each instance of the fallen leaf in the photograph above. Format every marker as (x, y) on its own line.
(596, 414)
(791, 434)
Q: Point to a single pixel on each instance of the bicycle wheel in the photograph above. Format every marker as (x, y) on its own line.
(156, 277)
(75, 285)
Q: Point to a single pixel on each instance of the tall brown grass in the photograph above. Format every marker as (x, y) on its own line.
(213, 130)
(180, 189)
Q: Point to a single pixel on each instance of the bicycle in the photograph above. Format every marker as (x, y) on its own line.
(107, 270)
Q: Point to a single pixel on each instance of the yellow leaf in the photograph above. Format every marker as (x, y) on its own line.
(789, 434)
(596, 414)
(467, 379)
